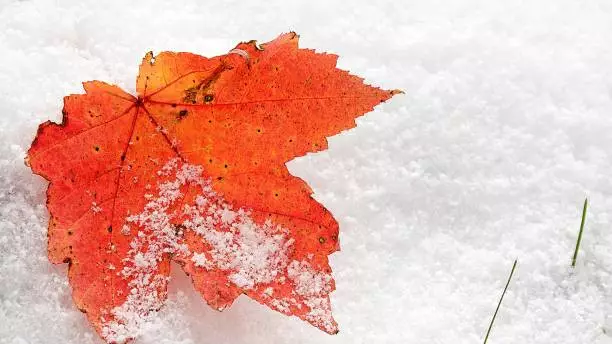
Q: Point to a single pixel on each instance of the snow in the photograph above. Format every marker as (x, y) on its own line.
(308, 282)
(200, 260)
(503, 130)
(253, 255)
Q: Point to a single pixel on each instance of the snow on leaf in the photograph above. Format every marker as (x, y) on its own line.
(193, 170)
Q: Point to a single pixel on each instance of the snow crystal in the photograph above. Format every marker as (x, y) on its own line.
(161, 129)
(200, 260)
(268, 291)
(228, 216)
(125, 230)
(308, 281)
(282, 305)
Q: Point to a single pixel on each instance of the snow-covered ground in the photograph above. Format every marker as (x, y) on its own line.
(504, 129)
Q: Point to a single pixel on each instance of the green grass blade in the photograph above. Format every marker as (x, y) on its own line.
(500, 301)
(584, 210)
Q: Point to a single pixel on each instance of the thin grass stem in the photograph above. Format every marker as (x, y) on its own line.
(500, 301)
(584, 210)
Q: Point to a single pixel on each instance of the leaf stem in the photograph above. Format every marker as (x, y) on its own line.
(500, 301)
(584, 210)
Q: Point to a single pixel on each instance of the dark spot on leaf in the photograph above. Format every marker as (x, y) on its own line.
(110, 229)
(225, 166)
(321, 240)
(190, 95)
(69, 232)
(182, 114)
(123, 157)
(97, 148)
(208, 98)
(179, 229)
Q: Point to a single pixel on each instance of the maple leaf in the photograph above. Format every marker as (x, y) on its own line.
(193, 170)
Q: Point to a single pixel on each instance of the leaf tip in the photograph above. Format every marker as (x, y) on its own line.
(291, 38)
(388, 94)
(293, 35)
(255, 45)
(149, 58)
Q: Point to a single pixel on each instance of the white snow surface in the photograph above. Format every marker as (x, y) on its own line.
(504, 128)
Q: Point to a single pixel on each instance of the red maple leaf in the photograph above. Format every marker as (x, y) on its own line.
(193, 170)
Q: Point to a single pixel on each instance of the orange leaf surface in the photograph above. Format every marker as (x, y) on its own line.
(193, 170)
